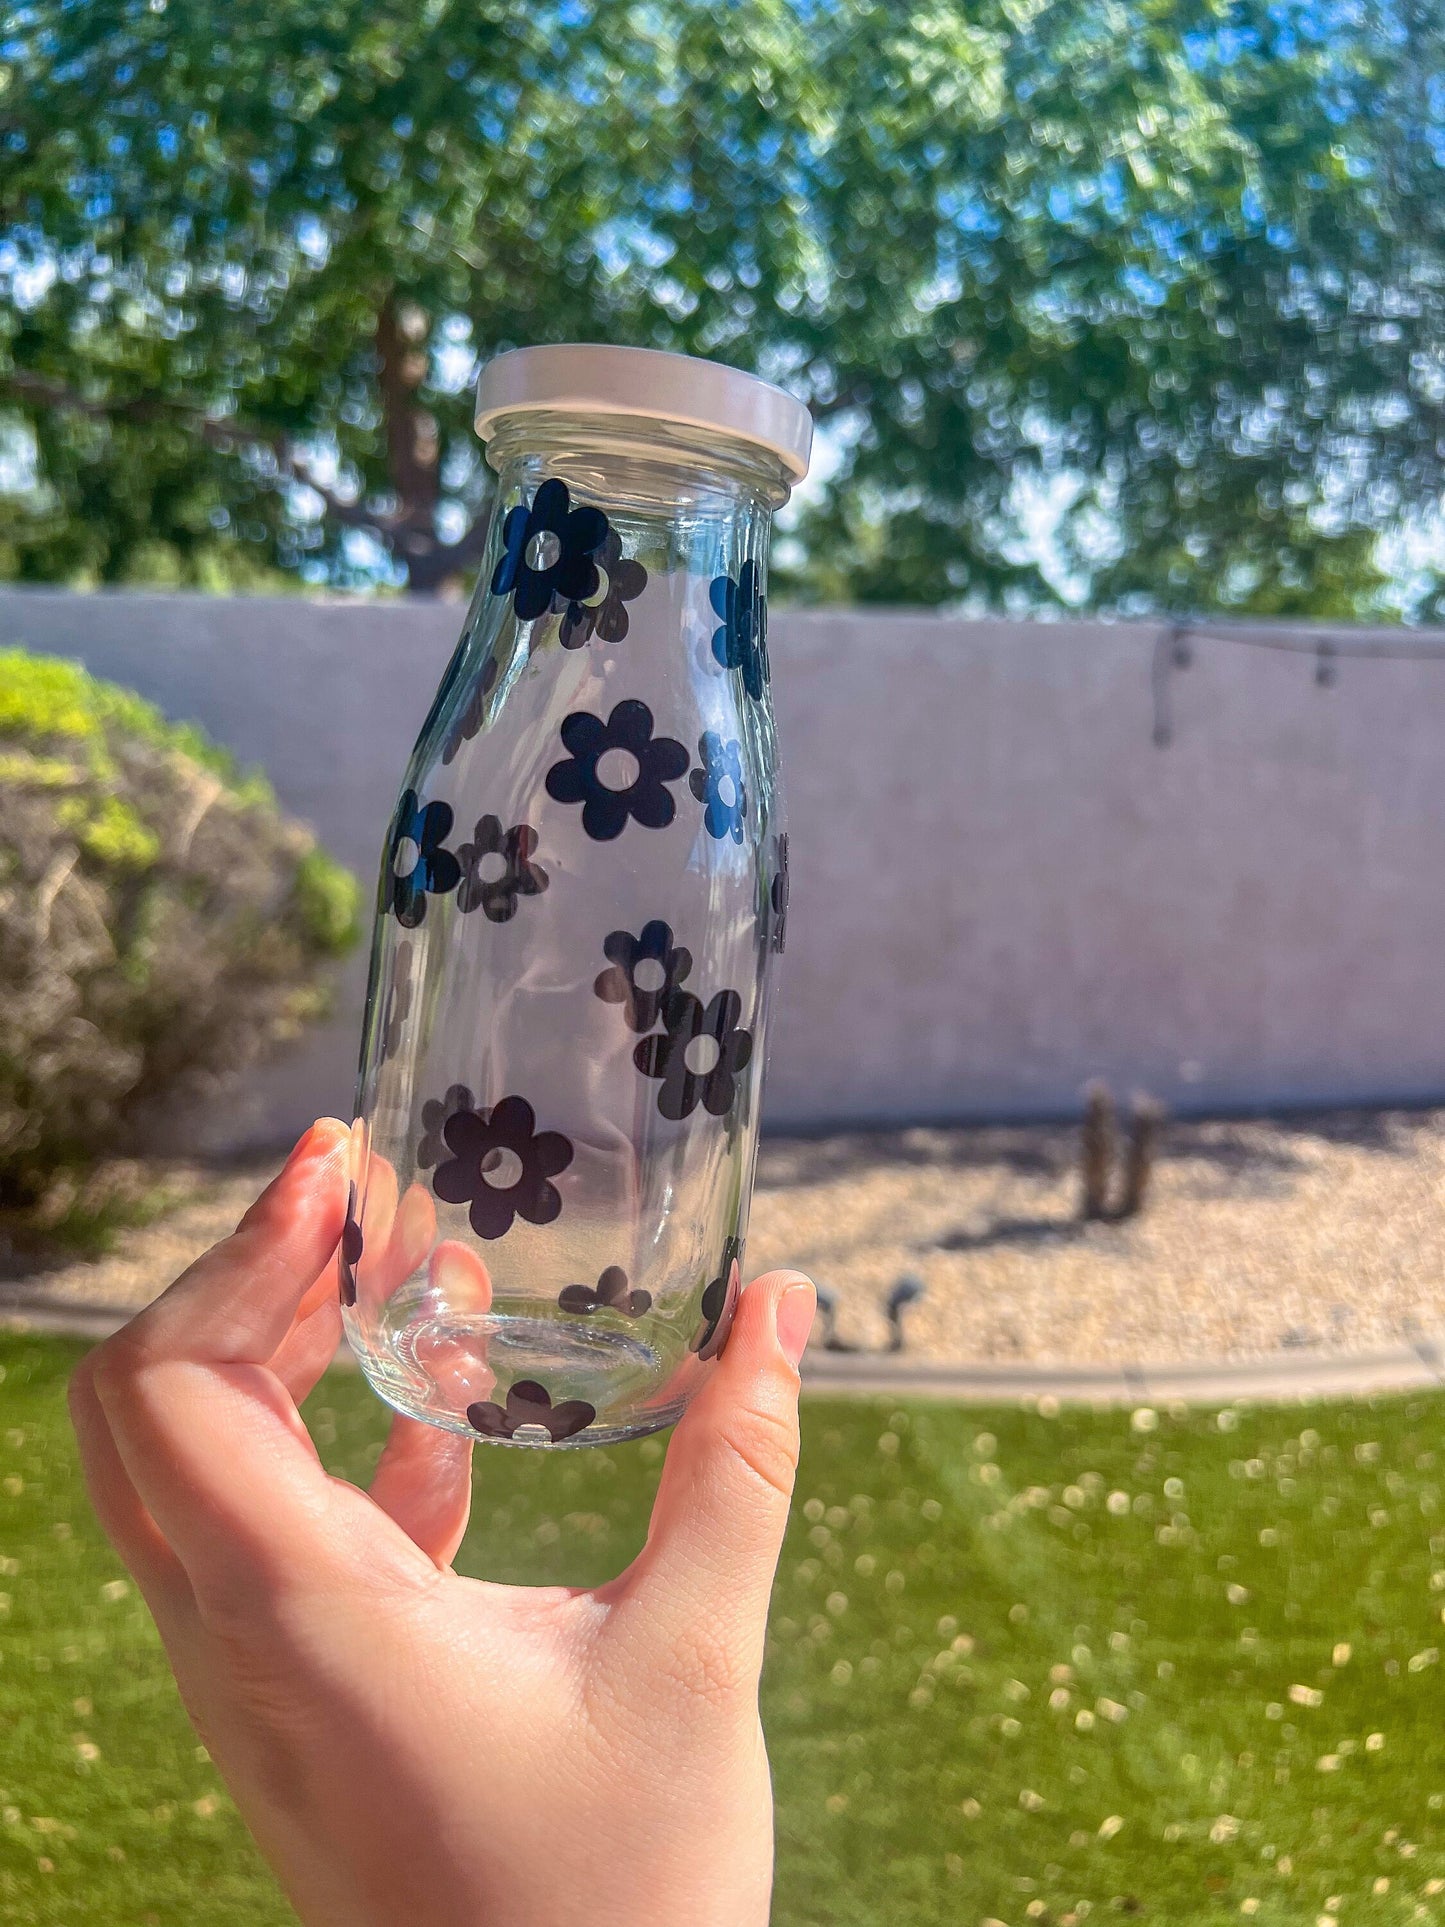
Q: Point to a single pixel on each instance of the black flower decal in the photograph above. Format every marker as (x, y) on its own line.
(719, 1302)
(710, 1036)
(646, 970)
(528, 1404)
(547, 551)
(494, 891)
(604, 612)
(474, 711)
(742, 641)
(349, 1255)
(659, 760)
(719, 785)
(610, 1293)
(778, 895)
(500, 1166)
(434, 1114)
(416, 864)
(399, 993)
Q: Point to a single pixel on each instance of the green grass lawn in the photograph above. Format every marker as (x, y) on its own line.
(1025, 1665)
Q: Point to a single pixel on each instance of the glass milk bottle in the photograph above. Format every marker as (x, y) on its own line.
(582, 893)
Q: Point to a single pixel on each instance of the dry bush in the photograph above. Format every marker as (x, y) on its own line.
(162, 924)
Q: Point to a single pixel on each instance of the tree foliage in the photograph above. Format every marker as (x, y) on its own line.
(281, 231)
(1185, 260)
(1137, 302)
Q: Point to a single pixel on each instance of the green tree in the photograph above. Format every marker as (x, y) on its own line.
(251, 251)
(1174, 267)
(1179, 260)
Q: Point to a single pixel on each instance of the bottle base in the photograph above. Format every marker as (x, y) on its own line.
(436, 1368)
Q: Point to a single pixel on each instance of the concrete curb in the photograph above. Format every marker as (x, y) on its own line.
(33, 1312)
(1276, 1378)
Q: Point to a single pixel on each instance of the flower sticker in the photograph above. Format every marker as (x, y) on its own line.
(496, 870)
(500, 1165)
(719, 786)
(778, 896)
(348, 1256)
(474, 712)
(604, 612)
(398, 999)
(610, 1293)
(417, 866)
(547, 551)
(616, 770)
(742, 641)
(529, 1408)
(720, 1302)
(698, 1055)
(434, 1114)
(645, 971)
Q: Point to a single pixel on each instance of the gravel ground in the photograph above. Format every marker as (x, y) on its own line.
(210, 1199)
(1324, 1233)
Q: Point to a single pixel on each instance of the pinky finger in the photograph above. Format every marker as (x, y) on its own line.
(123, 1518)
(309, 1347)
(424, 1482)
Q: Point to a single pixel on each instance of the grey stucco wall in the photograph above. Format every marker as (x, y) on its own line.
(1001, 886)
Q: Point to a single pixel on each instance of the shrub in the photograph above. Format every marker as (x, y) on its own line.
(162, 924)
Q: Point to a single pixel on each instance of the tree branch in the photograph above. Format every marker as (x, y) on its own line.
(856, 396)
(219, 432)
(413, 454)
(409, 534)
(444, 562)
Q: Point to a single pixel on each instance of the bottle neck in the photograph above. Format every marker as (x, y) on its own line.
(646, 468)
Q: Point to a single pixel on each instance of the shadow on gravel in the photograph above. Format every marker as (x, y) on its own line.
(1261, 1148)
(1011, 1231)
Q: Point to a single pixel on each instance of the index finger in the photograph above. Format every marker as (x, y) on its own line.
(207, 1434)
(236, 1303)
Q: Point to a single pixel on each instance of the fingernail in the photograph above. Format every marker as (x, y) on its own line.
(795, 1320)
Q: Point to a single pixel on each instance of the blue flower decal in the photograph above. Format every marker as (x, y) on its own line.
(547, 550)
(417, 866)
(742, 641)
(632, 785)
(719, 785)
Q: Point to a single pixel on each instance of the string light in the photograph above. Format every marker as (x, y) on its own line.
(1173, 651)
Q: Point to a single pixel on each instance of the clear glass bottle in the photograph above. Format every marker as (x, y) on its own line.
(582, 893)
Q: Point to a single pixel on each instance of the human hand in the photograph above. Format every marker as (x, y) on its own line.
(407, 1745)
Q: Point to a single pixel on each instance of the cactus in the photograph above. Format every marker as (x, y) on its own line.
(1097, 1150)
(1146, 1116)
(1099, 1155)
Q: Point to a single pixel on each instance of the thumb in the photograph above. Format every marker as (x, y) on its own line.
(722, 1505)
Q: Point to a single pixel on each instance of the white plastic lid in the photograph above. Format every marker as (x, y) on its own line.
(586, 379)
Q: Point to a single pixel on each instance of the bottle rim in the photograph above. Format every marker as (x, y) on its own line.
(587, 378)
